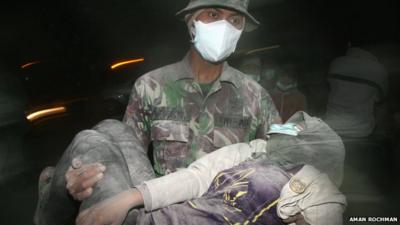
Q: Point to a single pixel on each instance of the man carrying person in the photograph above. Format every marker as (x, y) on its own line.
(186, 110)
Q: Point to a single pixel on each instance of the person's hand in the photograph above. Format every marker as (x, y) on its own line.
(80, 179)
(112, 211)
(298, 219)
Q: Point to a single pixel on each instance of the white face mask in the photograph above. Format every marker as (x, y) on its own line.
(215, 41)
(269, 74)
(285, 87)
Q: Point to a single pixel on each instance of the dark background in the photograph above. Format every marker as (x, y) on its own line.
(77, 41)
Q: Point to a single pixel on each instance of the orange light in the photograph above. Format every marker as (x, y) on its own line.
(123, 63)
(262, 49)
(46, 112)
(30, 64)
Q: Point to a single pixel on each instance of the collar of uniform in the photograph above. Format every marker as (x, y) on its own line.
(228, 73)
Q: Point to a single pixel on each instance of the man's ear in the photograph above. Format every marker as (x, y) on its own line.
(192, 32)
(190, 19)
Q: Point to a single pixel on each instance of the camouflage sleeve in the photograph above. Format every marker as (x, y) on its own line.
(269, 115)
(137, 113)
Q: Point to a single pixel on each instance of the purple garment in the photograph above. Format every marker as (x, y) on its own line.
(247, 192)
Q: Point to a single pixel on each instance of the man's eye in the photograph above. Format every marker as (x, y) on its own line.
(213, 15)
(236, 21)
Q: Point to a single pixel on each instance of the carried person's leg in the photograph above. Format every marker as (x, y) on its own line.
(110, 143)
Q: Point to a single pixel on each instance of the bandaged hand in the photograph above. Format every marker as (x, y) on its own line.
(80, 179)
(112, 211)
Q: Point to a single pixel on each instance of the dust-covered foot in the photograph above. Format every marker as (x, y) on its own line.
(44, 185)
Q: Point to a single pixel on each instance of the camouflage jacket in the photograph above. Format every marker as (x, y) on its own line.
(167, 107)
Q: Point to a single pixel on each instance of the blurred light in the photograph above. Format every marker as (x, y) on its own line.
(123, 63)
(30, 64)
(262, 49)
(46, 112)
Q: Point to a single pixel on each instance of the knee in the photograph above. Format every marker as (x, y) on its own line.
(116, 130)
(110, 126)
(93, 143)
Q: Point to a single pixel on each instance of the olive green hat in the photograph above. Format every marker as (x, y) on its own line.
(237, 5)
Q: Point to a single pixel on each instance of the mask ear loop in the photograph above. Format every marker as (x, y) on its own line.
(190, 18)
(244, 23)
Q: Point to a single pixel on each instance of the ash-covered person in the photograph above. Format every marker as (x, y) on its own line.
(356, 111)
(251, 66)
(296, 172)
(269, 74)
(286, 95)
(185, 110)
(359, 86)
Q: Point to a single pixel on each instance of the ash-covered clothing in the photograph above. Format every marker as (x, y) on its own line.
(111, 143)
(288, 102)
(168, 108)
(256, 191)
(311, 192)
(115, 145)
(194, 181)
(245, 194)
(358, 81)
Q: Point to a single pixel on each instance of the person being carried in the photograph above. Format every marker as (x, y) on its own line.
(296, 172)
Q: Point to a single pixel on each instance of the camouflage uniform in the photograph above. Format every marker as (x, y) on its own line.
(168, 108)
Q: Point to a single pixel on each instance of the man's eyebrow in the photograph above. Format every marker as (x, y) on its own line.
(216, 9)
(235, 13)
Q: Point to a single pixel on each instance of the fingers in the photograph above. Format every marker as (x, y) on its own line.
(91, 216)
(84, 218)
(90, 181)
(80, 219)
(117, 222)
(83, 195)
(111, 211)
(298, 219)
(84, 172)
(80, 181)
(76, 163)
(290, 220)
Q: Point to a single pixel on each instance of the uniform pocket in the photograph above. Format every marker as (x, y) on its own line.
(169, 130)
(230, 130)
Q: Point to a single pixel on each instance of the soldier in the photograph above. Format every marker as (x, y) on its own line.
(186, 110)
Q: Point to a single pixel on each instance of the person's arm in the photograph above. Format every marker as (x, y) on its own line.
(111, 211)
(194, 181)
(80, 178)
(184, 184)
(311, 198)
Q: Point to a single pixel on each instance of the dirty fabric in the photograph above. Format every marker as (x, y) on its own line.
(245, 194)
(110, 143)
(315, 144)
